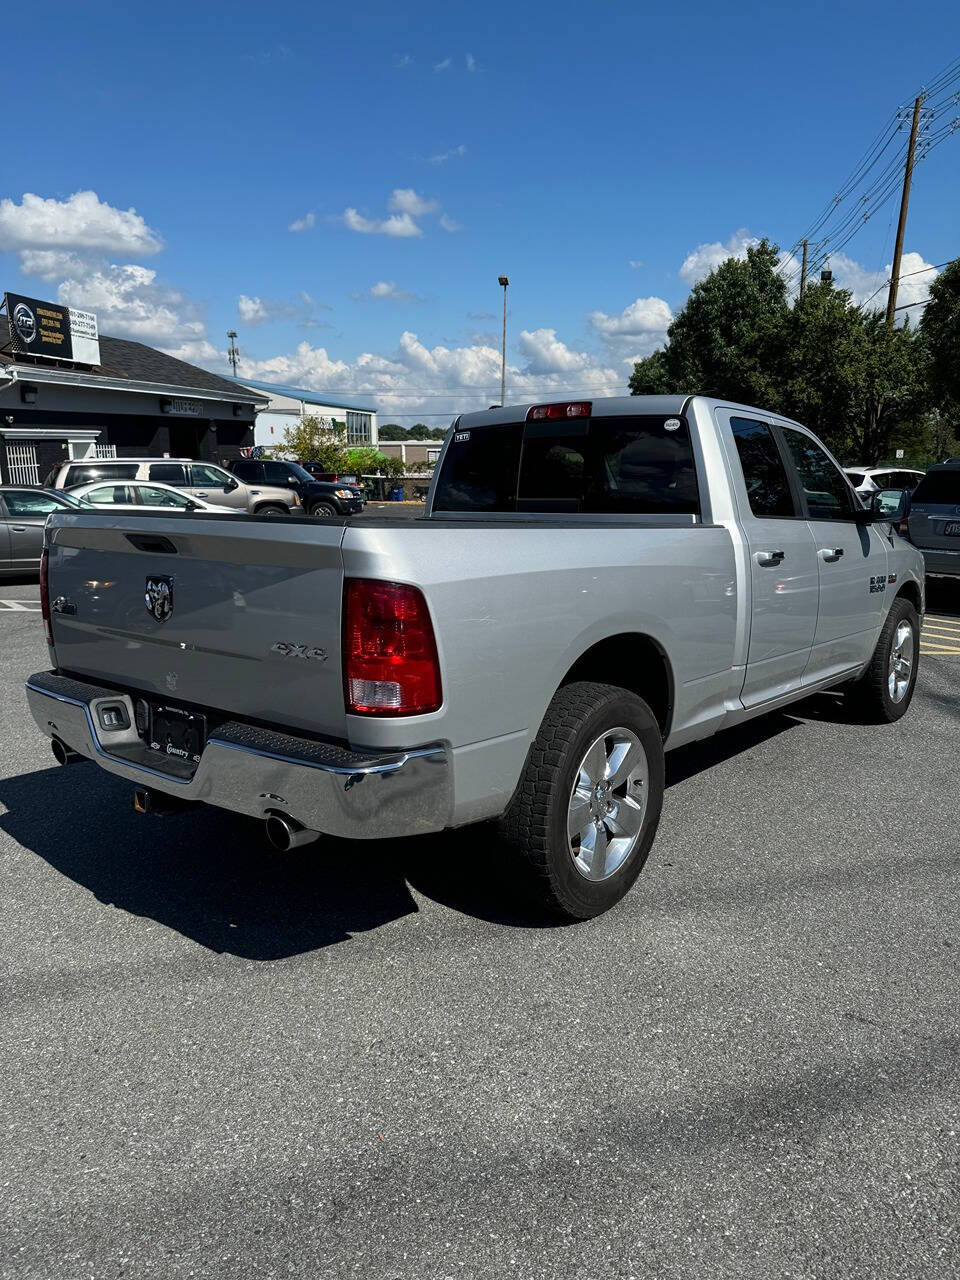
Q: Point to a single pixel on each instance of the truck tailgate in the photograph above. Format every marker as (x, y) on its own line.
(253, 627)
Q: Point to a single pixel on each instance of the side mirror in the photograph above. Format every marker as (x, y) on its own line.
(890, 505)
(230, 486)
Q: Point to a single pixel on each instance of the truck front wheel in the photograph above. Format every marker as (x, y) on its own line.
(885, 690)
(588, 804)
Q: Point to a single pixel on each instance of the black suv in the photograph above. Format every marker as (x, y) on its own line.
(319, 497)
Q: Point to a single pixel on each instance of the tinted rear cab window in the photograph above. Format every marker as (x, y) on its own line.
(639, 465)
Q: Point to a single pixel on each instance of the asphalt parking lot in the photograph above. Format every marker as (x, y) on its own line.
(380, 1061)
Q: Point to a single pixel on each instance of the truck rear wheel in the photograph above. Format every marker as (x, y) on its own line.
(885, 690)
(587, 808)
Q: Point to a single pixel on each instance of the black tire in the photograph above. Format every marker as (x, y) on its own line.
(869, 698)
(536, 821)
(271, 509)
(323, 510)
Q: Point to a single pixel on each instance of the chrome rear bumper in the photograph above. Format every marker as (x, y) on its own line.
(323, 786)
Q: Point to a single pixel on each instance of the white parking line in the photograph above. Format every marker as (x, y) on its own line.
(20, 606)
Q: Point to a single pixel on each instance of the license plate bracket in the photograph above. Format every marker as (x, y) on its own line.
(177, 733)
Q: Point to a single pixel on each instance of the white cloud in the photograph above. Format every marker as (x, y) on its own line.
(388, 289)
(443, 156)
(401, 225)
(82, 221)
(545, 353)
(406, 200)
(403, 59)
(707, 257)
(870, 288)
(50, 264)
(407, 205)
(642, 317)
(445, 65)
(256, 310)
(634, 263)
(471, 62)
(251, 310)
(305, 223)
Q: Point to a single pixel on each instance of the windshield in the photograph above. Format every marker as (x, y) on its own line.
(938, 487)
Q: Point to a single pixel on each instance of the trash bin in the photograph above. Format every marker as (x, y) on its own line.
(396, 494)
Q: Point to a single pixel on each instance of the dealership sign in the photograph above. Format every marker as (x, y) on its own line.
(51, 330)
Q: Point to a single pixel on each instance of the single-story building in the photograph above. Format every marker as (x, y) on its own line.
(122, 398)
(286, 405)
(411, 452)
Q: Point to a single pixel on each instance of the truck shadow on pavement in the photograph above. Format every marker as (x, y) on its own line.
(211, 876)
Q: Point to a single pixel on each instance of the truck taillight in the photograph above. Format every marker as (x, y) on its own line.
(45, 594)
(390, 663)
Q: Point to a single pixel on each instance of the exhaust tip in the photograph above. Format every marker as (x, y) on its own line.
(286, 833)
(62, 753)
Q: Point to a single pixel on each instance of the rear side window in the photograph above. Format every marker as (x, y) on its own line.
(765, 476)
(938, 487)
(26, 502)
(167, 472)
(111, 495)
(480, 470)
(101, 471)
(248, 470)
(635, 465)
(856, 478)
(276, 473)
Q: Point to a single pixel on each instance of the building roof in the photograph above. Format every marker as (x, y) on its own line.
(303, 393)
(136, 362)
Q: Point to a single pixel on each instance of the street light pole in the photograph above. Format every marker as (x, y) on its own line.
(503, 281)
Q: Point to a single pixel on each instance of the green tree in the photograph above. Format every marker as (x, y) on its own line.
(392, 431)
(940, 333)
(313, 442)
(727, 339)
(364, 461)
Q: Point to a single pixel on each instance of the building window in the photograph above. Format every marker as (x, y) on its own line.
(359, 428)
(433, 455)
(22, 463)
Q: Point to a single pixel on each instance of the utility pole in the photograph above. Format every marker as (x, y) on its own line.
(803, 270)
(902, 224)
(233, 355)
(503, 282)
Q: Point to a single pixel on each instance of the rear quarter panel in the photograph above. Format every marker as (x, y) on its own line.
(515, 607)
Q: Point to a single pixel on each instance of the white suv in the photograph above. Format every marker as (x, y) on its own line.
(870, 480)
(203, 480)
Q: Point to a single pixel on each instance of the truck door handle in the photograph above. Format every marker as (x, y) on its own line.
(19, 528)
(769, 558)
(201, 494)
(831, 553)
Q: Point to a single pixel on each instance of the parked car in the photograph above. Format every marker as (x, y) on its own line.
(934, 520)
(594, 582)
(23, 513)
(870, 480)
(351, 481)
(149, 497)
(319, 498)
(203, 480)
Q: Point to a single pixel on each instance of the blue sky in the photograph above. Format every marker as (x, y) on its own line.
(600, 154)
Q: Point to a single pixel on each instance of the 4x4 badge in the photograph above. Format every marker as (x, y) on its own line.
(159, 597)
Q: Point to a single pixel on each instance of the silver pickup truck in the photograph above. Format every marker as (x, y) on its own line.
(592, 583)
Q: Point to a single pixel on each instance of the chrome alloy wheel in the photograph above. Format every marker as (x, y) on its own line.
(607, 804)
(901, 662)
